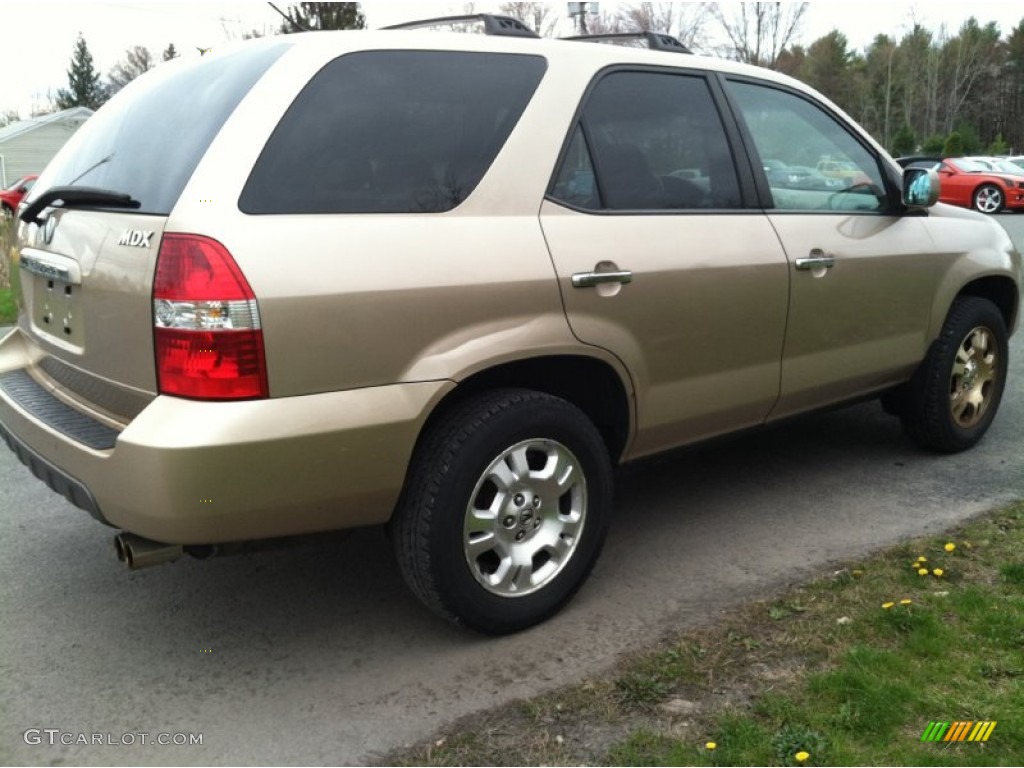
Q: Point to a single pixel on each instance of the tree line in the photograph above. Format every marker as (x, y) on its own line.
(935, 92)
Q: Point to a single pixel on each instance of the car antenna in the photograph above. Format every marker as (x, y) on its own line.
(290, 20)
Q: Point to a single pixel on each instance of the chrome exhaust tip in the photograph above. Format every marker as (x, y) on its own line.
(137, 552)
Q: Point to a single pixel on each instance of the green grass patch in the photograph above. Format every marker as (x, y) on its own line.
(8, 307)
(847, 670)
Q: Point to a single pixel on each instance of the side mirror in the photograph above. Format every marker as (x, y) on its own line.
(920, 188)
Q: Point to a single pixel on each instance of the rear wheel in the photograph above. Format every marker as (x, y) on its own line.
(953, 397)
(989, 198)
(505, 510)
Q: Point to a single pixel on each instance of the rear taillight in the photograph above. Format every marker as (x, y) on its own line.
(209, 343)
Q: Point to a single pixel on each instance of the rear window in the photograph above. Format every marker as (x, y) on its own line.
(149, 138)
(392, 132)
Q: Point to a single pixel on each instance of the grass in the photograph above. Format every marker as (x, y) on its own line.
(8, 306)
(847, 670)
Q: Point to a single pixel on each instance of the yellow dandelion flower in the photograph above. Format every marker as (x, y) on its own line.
(950, 547)
(801, 756)
(938, 572)
(924, 571)
(922, 559)
(710, 745)
(857, 573)
(887, 606)
(906, 601)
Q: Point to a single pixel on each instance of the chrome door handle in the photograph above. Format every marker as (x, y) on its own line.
(816, 260)
(587, 279)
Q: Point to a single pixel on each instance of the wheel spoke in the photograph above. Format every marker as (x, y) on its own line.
(482, 543)
(516, 578)
(480, 521)
(960, 404)
(518, 463)
(502, 476)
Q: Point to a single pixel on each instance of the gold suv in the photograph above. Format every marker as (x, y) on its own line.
(447, 282)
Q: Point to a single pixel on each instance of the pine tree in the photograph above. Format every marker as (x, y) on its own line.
(998, 146)
(904, 142)
(84, 86)
(321, 16)
(954, 145)
(170, 52)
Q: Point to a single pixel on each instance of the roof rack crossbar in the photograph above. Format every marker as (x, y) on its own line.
(493, 25)
(656, 41)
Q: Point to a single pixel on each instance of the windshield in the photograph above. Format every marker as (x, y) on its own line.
(149, 138)
(970, 166)
(1007, 167)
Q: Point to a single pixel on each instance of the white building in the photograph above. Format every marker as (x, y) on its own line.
(28, 145)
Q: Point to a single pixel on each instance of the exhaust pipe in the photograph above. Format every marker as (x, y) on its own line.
(137, 552)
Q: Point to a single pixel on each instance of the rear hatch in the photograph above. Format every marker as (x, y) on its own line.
(86, 266)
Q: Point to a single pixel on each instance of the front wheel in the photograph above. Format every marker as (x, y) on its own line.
(989, 199)
(505, 510)
(953, 397)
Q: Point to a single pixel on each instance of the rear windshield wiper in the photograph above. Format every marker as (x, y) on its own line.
(76, 196)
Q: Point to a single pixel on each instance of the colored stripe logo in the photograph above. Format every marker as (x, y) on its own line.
(960, 730)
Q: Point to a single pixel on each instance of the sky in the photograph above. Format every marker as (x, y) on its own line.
(38, 37)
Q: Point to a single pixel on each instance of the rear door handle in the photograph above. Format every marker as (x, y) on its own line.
(587, 279)
(815, 259)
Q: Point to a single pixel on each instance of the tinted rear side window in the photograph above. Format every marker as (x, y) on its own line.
(147, 140)
(656, 141)
(392, 132)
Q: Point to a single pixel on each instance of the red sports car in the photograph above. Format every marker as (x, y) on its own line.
(971, 185)
(10, 197)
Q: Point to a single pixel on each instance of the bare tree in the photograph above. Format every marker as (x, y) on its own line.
(542, 18)
(685, 21)
(136, 61)
(758, 32)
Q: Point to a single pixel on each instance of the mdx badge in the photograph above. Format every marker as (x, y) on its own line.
(136, 237)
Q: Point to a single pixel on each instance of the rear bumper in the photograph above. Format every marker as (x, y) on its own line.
(188, 472)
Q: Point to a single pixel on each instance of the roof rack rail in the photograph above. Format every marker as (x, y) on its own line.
(656, 41)
(504, 26)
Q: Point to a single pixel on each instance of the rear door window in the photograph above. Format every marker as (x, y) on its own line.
(392, 132)
(655, 141)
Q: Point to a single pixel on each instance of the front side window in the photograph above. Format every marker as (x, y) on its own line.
(810, 160)
(392, 132)
(654, 141)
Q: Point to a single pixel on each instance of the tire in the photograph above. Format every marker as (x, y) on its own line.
(482, 490)
(954, 395)
(988, 198)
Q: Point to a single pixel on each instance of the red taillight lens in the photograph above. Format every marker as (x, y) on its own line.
(209, 343)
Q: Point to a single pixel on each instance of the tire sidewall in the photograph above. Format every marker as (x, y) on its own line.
(462, 594)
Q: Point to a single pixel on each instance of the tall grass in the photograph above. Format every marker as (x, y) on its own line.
(8, 307)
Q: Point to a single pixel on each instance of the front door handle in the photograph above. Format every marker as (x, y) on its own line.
(587, 279)
(815, 259)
